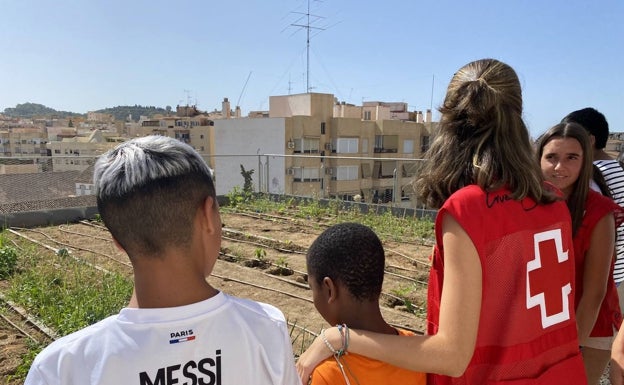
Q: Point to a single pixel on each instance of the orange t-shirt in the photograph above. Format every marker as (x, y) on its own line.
(366, 370)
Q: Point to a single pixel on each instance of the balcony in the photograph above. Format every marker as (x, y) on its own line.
(385, 150)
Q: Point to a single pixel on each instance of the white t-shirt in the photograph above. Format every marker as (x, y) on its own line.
(220, 341)
(614, 176)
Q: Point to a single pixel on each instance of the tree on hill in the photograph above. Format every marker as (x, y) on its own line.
(135, 112)
(34, 110)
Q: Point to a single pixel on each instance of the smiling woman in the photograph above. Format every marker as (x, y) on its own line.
(561, 163)
(565, 156)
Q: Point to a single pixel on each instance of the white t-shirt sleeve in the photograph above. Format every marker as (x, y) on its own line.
(290, 371)
(34, 377)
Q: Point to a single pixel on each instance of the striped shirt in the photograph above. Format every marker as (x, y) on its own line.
(614, 176)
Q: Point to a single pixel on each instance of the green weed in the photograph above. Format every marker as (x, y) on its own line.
(8, 261)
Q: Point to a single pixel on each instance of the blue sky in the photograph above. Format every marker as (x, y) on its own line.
(87, 55)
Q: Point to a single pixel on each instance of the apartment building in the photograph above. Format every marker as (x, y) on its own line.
(23, 141)
(78, 152)
(316, 146)
(194, 130)
(99, 117)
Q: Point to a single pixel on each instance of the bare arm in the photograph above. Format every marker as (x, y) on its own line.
(447, 352)
(617, 359)
(595, 275)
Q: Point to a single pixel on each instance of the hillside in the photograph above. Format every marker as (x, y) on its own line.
(123, 112)
(34, 110)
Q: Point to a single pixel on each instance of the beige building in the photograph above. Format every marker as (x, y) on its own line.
(23, 141)
(194, 130)
(331, 150)
(77, 153)
(100, 117)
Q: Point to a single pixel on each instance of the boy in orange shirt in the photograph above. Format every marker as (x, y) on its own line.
(345, 272)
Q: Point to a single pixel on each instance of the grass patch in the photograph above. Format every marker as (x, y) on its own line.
(64, 294)
(386, 225)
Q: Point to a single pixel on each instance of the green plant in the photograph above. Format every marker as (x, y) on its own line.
(235, 197)
(248, 184)
(282, 262)
(312, 209)
(65, 294)
(260, 254)
(8, 261)
(403, 294)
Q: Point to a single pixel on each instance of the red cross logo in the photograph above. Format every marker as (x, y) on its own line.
(548, 280)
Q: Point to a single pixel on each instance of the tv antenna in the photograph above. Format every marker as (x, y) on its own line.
(243, 90)
(188, 97)
(308, 27)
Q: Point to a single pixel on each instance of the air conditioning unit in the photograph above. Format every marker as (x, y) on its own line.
(290, 144)
(328, 146)
(290, 171)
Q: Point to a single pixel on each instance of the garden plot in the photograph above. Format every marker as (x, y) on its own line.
(262, 258)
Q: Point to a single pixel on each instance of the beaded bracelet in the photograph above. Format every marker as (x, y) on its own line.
(335, 352)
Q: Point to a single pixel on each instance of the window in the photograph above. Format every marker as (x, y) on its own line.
(386, 143)
(408, 146)
(347, 145)
(306, 174)
(307, 145)
(367, 115)
(347, 173)
(322, 128)
(384, 169)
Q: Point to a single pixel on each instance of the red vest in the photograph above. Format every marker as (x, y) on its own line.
(597, 207)
(527, 328)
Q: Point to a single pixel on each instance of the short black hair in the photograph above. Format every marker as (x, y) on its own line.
(593, 121)
(352, 254)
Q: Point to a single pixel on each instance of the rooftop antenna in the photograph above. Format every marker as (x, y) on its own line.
(308, 27)
(431, 101)
(243, 90)
(188, 97)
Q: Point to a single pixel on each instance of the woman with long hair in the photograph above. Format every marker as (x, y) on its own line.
(500, 305)
(564, 153)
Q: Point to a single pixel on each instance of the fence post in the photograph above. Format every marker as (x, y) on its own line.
(266, 175)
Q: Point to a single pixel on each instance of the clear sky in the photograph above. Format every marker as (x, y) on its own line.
(85, 55)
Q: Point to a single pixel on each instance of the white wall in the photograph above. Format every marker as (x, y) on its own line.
(239, 141)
